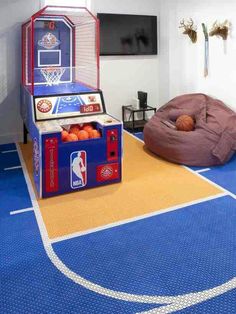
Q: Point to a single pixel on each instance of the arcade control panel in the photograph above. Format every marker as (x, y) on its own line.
(54, 107)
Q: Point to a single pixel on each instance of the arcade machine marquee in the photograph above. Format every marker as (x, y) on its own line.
(76, 144)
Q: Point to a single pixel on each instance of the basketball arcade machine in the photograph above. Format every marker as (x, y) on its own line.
(59, 93)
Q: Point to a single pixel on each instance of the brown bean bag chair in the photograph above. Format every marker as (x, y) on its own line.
(212, 142)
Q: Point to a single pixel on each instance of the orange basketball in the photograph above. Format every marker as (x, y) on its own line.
(64, 135)
(83, 135)
(94, 134)
(87, 128)
(71, 137)
(185, 123)
(75, 129)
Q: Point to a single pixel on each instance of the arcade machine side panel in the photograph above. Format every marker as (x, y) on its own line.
(37, 159)
(27, 113)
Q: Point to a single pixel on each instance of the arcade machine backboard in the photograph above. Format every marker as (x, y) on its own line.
(76, 144)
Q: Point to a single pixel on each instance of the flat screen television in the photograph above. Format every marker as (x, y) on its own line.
(123, 34)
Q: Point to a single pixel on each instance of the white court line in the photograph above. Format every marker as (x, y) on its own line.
(137, 218)
(194, 298)
(202, 170)
(176, 301)
(12, 168)
(20, 211)
(9, 151)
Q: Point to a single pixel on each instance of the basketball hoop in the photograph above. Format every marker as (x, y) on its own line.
(52, 75)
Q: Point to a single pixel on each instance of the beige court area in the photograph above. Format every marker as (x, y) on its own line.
(149, 184)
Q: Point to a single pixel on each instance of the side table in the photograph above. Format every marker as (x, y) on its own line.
(133, 123)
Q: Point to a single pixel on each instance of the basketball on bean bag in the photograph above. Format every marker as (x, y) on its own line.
(185, 123)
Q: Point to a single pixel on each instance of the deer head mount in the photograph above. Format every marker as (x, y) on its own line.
(220, 29)
(189, 29)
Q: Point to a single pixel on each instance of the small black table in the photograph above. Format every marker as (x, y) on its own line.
(133, 124)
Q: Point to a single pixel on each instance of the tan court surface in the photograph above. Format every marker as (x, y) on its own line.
(149, 184)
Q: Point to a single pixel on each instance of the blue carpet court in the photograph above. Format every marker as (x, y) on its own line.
(182, 261)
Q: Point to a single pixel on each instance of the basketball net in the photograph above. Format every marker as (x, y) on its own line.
(52, 75)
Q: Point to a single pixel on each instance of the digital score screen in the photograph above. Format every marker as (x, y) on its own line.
(53, 107)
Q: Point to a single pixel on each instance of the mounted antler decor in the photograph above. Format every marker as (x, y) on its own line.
(189, 29)
(220, 29)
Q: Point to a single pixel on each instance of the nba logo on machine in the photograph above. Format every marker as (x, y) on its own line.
(78, 169)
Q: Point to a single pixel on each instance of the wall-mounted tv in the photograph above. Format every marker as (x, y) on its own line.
(123, 34)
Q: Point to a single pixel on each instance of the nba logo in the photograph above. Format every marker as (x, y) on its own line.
(78, 169)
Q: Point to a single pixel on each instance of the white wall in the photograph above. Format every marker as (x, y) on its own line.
(122, 76)
(12, 14)
(185, 64)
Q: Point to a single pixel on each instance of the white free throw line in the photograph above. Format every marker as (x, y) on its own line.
(203, 170)
(9, 151)
(137, 218)
(20, 211)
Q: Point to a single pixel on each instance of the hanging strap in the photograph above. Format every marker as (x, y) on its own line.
(206, 54)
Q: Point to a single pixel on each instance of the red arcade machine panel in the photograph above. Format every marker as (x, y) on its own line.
(51, 165)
